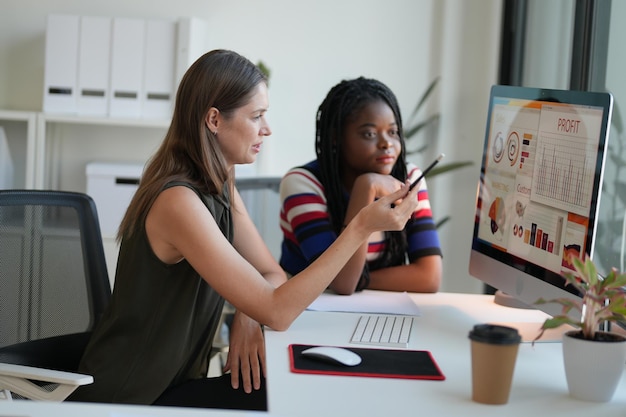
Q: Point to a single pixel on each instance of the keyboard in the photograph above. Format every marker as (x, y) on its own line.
(383, 330)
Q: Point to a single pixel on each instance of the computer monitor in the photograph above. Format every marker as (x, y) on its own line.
(539, 189)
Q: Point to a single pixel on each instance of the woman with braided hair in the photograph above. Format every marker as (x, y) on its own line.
(361, 157)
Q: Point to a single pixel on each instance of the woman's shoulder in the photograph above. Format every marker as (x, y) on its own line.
(188, 185)
(209, 199)
(302, 178)
(309, 171)
(412, 170)
(313, 167)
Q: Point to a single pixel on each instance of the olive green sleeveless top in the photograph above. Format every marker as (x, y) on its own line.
(159, 326)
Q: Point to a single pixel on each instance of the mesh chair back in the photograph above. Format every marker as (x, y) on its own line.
(262, 200)
(53, 275)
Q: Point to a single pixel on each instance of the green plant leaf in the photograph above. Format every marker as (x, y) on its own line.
(442, 222)
(264, 69)
(418, 150)
(452, 166)
(412, 131)
(614, 280)
(604, 299)
(424, 97)
(558, 321)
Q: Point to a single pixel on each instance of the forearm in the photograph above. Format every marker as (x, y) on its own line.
(347, 279)
(302, 289)
(295, 295)
(423, 276)
(276, 278)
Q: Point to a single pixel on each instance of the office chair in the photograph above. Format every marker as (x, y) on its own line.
(54, 287)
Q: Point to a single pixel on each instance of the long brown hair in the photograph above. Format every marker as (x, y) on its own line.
(190, 152)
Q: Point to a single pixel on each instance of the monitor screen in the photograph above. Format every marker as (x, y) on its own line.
(539, 189)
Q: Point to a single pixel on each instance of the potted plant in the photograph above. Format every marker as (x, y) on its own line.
(593, 358)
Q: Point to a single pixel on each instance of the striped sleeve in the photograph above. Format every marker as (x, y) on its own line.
(422, 236)
(304, 220)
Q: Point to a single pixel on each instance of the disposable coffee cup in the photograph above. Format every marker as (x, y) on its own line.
(494, 352)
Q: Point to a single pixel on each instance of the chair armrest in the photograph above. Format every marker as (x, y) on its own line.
(18, 379)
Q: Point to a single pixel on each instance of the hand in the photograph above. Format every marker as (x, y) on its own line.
(246, 353)
(377, 185)
(390, 212)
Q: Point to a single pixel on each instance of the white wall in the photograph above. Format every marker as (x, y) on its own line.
(470, 45)
(309, 47)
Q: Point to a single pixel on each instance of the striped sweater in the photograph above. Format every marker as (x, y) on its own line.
(307, 230)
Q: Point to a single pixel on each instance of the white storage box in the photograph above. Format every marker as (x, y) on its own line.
(112, 186)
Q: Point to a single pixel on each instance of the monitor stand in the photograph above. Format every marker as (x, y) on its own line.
(529, 331)
(507, 300)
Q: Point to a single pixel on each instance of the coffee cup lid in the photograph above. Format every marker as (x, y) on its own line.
(495, 334)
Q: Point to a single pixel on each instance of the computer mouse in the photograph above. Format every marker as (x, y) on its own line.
(332, 354)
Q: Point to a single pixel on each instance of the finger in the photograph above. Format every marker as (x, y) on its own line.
(245, 376)
(405, 207)
(398, 195)
(410, 195)
(234, 373)
(255, 368)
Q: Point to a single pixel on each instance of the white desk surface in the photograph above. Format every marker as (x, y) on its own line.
(539, 386)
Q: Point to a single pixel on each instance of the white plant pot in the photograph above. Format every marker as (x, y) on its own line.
(593, 368)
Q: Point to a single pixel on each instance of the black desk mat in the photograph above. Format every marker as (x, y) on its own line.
(380, 363)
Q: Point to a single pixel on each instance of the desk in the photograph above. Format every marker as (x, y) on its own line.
(539, 386)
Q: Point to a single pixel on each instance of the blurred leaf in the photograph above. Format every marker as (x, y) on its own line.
(424, 97)
(414, 128)
(418, 150)
(442, 222)
(452, 166)
(412, 131)
(264, 69)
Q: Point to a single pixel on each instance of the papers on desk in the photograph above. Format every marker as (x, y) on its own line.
(367, 301)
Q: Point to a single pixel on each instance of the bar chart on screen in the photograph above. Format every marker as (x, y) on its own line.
(565, 172)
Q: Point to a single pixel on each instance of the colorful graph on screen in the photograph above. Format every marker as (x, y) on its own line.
(564, 173)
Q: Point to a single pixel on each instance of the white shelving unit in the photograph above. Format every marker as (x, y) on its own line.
(37, 158)
(20, 129)
(51, 151)
(92, 138)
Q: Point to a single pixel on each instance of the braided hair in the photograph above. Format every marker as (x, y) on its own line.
(343, 102)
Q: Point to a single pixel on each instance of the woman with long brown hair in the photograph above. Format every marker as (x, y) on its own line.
(187, 244)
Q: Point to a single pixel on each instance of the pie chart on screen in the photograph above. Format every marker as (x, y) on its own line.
(496, 214)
